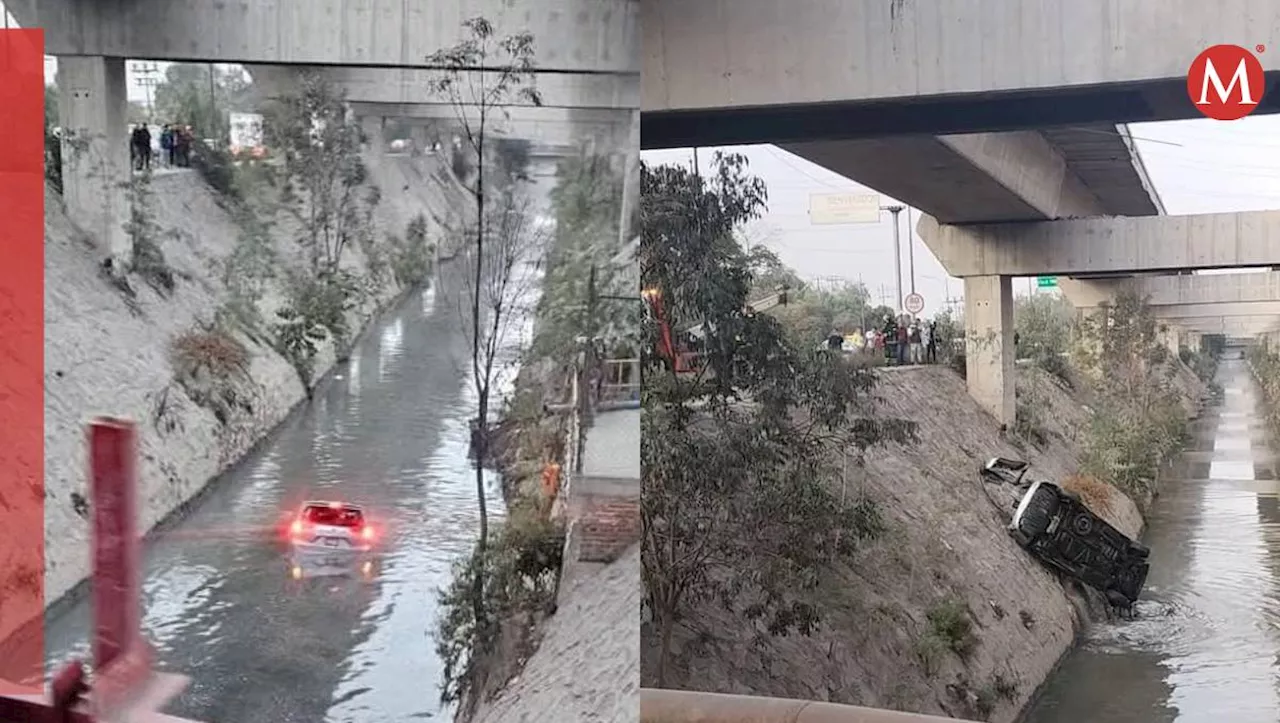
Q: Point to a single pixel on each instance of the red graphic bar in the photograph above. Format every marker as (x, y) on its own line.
(21, 360)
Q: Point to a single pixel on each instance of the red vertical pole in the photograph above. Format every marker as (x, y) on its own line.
(116, 581)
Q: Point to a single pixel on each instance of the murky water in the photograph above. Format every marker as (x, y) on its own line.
(1205, 645)
(264, 644)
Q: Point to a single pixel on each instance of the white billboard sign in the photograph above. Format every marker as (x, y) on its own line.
(834, 208)
(246, 133)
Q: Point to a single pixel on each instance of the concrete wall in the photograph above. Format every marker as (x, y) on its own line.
(1081, 247)
(570, 35)
(738, 53)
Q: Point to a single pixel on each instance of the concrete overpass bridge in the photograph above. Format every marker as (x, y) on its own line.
(753, 71)
(594, 41)
(571, 36)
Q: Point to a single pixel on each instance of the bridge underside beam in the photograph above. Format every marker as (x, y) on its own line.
(1183, 289)
(803, 71)
(413, 86)
(997, 177)
(569, 35)
(1080, 247)
(1230, 325)
(1231, 309)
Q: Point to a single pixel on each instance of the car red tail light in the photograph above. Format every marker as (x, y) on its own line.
(297, 528)
(366, 533)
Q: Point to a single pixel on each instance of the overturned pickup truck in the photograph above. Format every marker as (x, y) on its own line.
(1055, 526)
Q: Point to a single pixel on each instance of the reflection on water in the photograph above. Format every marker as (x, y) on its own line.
(1204, 645)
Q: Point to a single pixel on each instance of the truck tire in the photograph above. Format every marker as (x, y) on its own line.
(1038, 516)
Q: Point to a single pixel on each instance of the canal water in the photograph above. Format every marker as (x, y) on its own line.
(1204, 646)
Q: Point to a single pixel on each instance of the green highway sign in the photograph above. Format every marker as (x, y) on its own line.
(1046, 282)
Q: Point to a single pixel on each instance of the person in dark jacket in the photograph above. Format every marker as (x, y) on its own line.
(166, 143)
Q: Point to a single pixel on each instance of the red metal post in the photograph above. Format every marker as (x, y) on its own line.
(117, 617)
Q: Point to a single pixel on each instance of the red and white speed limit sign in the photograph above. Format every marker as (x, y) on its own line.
(914, 303)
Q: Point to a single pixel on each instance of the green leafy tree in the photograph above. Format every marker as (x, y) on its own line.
(1138, 416)
(481, 76)
(736, 506)
(324, 188)
(588, 264)
(1045, 324)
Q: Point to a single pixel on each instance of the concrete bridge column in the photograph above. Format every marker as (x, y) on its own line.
(374, 134)
(630, 178)
(989, 352)
(1171, 339)
(1193, 340)
(93, 104)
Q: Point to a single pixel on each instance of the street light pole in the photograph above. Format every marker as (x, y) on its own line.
(897, 251)
(911, 253)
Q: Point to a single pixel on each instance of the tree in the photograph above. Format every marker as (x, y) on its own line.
(587, 204)
(200, 95)
(1138, 418)
(324, 190)
(735, 503)
(481, 76)
(1045, 325)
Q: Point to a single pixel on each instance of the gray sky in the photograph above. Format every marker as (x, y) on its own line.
(1200, 166)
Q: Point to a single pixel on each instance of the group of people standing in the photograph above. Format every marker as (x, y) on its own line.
(175, 145)
(902, 340)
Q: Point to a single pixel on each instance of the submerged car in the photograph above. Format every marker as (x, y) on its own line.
(331, 529)
(1055, 526)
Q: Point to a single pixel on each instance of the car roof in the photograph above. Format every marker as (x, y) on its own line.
(331, 503)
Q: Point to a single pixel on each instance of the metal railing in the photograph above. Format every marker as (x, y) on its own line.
(620, 384)
(678, 706)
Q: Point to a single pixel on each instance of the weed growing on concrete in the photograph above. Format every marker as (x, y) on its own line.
(1029, 423)
(410, 257)
(146, 259)
(211, 365)
(949, 622)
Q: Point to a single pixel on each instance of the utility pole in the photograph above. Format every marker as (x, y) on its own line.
(147, 80)
(211, 131)
(911, 252)
(897, 252)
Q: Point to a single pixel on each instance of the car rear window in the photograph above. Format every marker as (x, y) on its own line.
(340, 517)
